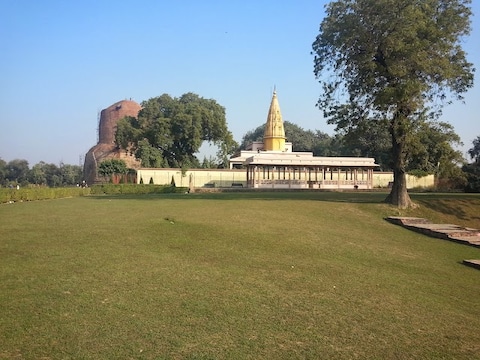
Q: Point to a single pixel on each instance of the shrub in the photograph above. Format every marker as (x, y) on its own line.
(111, 189)
(41, 193)
(472, 172)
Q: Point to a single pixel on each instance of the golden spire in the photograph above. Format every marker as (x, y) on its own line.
(274, 135)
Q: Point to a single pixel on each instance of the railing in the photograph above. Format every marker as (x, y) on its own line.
(319, 183)
(279, 182)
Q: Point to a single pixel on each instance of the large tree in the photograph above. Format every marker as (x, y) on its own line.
(169, 131)
(391, 60)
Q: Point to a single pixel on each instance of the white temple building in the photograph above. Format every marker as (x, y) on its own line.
(272, 163)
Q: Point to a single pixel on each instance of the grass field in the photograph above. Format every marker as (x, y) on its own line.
(236, 276)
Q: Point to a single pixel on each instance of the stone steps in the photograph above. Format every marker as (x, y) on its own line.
(451, 232)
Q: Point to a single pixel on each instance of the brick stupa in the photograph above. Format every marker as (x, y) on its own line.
(106, 148)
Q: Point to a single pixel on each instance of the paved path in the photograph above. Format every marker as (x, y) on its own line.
(463, 235)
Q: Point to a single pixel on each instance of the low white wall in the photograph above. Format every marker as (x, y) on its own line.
(199, 177)
(225, 178)
(382, 180)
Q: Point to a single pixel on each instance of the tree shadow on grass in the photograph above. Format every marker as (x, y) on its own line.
(458, 206)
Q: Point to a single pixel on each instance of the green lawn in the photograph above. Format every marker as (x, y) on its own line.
(236, 276)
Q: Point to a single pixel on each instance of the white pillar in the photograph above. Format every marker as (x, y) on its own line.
(338, 178)
(273, 177)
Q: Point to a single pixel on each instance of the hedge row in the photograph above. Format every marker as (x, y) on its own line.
(111, 189)
(40, 193)
(44, 193)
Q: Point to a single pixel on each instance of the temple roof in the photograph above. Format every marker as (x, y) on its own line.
(274, 129)
(307, 159)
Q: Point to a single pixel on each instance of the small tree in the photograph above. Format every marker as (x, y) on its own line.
(110, 167)
(472, 170)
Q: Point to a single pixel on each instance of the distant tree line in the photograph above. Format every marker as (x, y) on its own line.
(435, 155)
(18, 172)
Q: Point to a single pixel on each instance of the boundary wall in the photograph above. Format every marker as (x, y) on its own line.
(225, 178)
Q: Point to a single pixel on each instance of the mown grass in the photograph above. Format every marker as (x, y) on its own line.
(235, 276)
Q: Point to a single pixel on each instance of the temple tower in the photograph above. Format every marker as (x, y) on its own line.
(274, 135)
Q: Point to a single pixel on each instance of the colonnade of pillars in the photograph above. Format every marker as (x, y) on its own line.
(309, 177)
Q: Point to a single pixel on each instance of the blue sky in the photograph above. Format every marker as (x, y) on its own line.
(64, 61)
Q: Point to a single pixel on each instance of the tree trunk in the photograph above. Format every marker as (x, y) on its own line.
(399, 195)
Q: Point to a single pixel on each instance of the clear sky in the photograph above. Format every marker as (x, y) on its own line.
(63, 61)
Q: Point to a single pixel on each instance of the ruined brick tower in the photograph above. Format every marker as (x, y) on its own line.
(106, 148)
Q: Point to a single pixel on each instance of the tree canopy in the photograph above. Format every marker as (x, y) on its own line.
(474, 151)
(431, 146)
(393, 61)
(472, 170)
(169, 131)
(111, 167)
